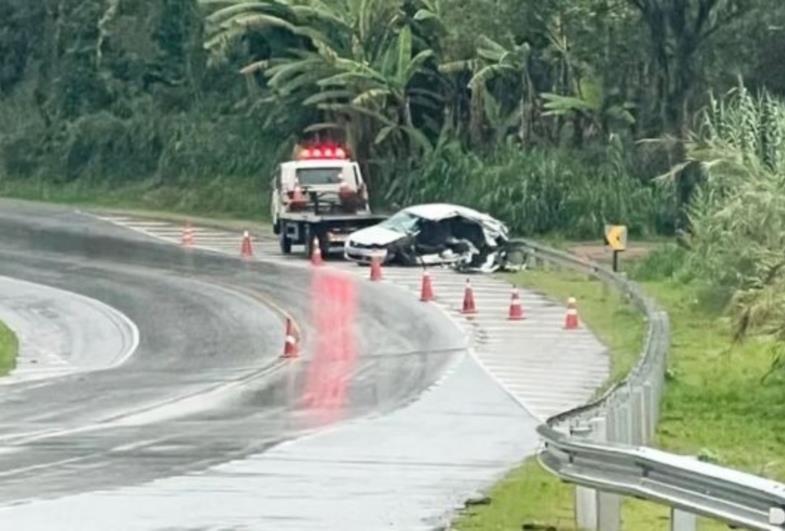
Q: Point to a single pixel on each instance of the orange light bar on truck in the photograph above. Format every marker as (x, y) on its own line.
(323, 152)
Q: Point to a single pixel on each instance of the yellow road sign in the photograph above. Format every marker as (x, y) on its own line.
(616, 237)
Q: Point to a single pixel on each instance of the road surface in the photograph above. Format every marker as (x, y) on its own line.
(205, 384)
(387, 421)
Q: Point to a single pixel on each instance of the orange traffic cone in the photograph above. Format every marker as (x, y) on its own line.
(187, 239)
(290, 346)
(376, 268)
(426, 292)
(316, 254)
(571, 317)
(469, 307)
(246, 249)
(516, 309)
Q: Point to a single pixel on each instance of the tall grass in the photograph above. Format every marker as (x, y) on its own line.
(738, 213)
(539, 190)
(192, 161)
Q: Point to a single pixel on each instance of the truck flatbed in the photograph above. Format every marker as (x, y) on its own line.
(329, 230)
(310, 217)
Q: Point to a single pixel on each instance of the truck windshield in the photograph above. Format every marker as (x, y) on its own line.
(317, 176)
(402, 222)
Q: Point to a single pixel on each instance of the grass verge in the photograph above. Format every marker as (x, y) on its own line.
(222, 197)
(719, 403)
(131, 200)
(9, 348)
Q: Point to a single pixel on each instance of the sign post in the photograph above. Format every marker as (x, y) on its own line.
(616, 240)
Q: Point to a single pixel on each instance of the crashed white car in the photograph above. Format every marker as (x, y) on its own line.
(432, 234)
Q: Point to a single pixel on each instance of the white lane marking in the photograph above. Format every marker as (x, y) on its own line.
(21, 470)
(487, 328)
(27, 371)
(136, 445)
(565, 372)
(151, 224)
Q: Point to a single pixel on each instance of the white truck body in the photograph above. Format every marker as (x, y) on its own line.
(322, 198)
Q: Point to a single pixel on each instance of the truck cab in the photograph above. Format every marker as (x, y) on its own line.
(321, 194)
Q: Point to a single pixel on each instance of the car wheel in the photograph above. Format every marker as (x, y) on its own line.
(285, 243)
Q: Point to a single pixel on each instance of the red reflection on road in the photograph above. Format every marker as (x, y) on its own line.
(334, 305)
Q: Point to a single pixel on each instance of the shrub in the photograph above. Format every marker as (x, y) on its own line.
(537, 190)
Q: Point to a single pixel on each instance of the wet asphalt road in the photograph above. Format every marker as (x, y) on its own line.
(205, 384)
(60, 332)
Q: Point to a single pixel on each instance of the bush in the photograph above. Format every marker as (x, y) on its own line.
(538, 190)
(737, 211)
(662, 263)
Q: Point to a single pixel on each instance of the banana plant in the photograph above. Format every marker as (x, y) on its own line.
(357, 69)
(590, 110)
(493, 61)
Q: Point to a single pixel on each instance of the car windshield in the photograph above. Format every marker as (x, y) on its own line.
(402, 222)
(318, 176)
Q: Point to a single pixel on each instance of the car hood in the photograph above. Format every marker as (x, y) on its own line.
(375, 235)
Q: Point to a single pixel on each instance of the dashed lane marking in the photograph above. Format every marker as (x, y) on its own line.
(546, 368)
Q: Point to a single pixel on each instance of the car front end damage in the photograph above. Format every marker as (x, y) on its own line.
(434, 234)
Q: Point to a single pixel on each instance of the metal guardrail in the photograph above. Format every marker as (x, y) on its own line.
(601, 445)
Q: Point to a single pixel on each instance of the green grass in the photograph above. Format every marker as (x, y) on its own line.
(224, 198)
(717, 404)
(8, 350)
(147, 201)
(717, 401)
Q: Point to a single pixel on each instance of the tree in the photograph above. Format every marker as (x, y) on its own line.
(678, 30)
(591, 111)
(357, 63)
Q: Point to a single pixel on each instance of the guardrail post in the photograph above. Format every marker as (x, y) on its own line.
(635, 417)
(618, 435)
(611, 422)
(650, 414)
(531, 260)
(624, 421)
(585, 498)
(681, 521)
(596, 511)
(608, 505)
(640, 415)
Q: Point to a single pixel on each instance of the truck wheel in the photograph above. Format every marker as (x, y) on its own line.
(276, 227)
(285, 243)
(324, 247)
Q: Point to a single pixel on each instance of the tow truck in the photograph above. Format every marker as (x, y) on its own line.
(319, 198)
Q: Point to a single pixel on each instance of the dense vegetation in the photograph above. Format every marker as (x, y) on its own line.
(526, 108)
(722, 402)
(555, 116)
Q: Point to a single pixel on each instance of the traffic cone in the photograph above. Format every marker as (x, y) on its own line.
(469, 307)
(316, 254)
(376, 268)
(426, 292)
(187, 239)
(290, 346)
(571, 317)
(246, 249)
(516, 309)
